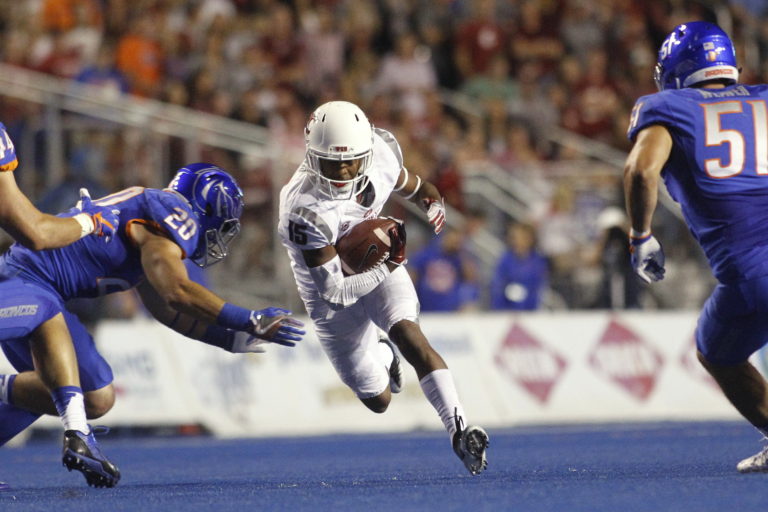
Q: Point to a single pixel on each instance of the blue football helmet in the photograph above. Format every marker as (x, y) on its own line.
(217, 201)
(695, 52)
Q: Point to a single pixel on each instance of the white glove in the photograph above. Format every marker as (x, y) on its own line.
(244, 342)
(435, 213)
(647, 258)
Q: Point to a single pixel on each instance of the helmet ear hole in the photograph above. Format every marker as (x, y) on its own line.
(208, 210)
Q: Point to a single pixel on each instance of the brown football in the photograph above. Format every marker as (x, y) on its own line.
(365, 245)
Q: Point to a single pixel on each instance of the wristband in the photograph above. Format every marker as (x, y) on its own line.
(86, 224)
(639, 235)
(219, 337)
(418, 186)
(234, 317)
(405, 181)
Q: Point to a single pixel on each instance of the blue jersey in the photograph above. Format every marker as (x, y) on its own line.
(8, 160)
(717, 170)
(91, 267)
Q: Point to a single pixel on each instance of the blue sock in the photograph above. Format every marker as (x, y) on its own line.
(71, 407)
(13, 420)
(6, 386)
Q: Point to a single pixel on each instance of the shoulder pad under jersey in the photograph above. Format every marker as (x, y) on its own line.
(392, 144)
(173, 214)
(649, 110)
(308, 230)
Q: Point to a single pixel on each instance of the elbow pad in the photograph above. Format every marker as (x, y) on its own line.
(340, 291)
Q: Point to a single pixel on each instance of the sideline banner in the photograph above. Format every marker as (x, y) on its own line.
(510, 369)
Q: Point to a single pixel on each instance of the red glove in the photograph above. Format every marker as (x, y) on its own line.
(397, 239)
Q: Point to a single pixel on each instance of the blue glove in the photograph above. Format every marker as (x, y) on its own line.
(647, 258)
(105, 220)
(276, 326)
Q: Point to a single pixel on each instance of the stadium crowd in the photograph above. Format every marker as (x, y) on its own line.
(463, 84)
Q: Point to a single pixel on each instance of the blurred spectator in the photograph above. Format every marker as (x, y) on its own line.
(562, 240)
(139, 56)
(581, 29)
(592, 115)
(493, 84)
(435, 22)
(619, 288)
(521, 273)
(284, 45)
(325, 48)
(536, 37)
(518, 154)
(533, 106)
(479, 39)
(104, 74)
(445, 275)
(63, 15)
(407, 74)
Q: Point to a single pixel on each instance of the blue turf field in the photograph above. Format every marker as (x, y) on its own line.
(659, 467)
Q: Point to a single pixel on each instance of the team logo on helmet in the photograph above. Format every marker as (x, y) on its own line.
(695, 52)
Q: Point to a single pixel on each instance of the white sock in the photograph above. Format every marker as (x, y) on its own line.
(441, 392)
(6, 384)
(70, 404)
(74, 417)
(386, 355)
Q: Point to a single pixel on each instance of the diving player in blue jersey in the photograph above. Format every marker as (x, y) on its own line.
(707, 137)
(196, 217)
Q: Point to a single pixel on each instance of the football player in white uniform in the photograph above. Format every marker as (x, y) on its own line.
(349, 172)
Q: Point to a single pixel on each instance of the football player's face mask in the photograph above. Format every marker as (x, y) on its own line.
(339, 142)
(217, 201)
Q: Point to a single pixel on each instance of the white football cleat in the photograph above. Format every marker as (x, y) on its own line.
(470, 445)
(757, 463)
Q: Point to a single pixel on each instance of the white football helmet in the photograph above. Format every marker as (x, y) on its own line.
(339, 130)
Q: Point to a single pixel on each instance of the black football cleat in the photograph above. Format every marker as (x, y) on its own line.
(82, 453)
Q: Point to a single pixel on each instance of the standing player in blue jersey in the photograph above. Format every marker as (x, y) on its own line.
(54, 354)
(707, 137)
(196, 217)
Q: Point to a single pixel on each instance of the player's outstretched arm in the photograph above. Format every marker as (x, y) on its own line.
(197, 312)
(228, 339)
(425, 195)
(641, 182)
(28, 225)
(33, 228)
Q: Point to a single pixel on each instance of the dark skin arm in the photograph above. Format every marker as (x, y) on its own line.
(425, 194)
(642, 172)
(164, 270)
